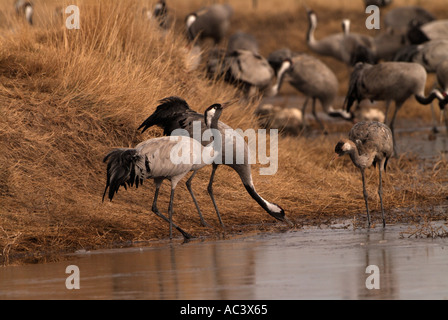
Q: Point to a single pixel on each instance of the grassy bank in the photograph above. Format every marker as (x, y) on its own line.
(69, 96)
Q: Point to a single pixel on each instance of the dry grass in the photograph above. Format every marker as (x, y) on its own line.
(68, 96)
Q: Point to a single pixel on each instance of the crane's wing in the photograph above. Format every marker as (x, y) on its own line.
(167, 114)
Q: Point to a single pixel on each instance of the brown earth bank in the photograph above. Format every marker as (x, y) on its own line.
(67, 97)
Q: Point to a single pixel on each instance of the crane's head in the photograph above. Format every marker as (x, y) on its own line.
(286, 65)
(212, 113)
(312, 18)
(343, 147)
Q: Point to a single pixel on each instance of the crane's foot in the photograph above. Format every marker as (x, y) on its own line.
(205, 224)
(187, 236)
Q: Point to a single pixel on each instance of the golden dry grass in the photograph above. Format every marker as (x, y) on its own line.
(68, 96)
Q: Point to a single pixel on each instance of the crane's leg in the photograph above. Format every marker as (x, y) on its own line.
(305, 104)
(170, 212)
(392, 121)
(210, 192)
(317, 118)
(380, 193)
(205, 224)
(157, 212)
(364, 192)
(434, 121)
(433, 113)
(387, 111)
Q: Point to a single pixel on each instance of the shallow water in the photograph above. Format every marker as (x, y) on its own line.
(302, 264)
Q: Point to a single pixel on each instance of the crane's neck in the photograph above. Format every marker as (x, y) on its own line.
(271, 208)
(29, 14)
(189, 22)
(211, 121)
(346, 26)
(312, 20)
(281, 72)
(359, 158)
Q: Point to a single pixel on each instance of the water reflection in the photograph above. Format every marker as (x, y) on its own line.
(312, 264)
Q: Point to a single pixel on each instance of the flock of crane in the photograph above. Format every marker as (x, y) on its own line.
(391, 67)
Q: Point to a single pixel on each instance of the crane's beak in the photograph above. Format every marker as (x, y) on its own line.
(307, 8)
(288, 222)
(229, 103)
(335, 157)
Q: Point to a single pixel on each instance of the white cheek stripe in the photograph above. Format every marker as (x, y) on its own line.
(190, 20)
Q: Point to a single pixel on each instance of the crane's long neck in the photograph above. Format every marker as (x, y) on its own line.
(312, 20)
(435, 94)
(274, 210)
(211, 121)
(362, 160)
(29, 13)
(284, 67)
(189, 22)
(346, 27)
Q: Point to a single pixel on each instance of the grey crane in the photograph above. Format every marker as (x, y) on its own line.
(240, 64)
(242, 41)
(175, 113)
(398, 20)
(369, 142)
(24, 8)
(245, 69)
(328, 46)
(356, 47)
(434, 30)
(387, 45)
(277, 57)
(389, 81)
(248, 70)
(153, 159)
(340, 46)
(315, 80)
(430, 55)
(209, 22)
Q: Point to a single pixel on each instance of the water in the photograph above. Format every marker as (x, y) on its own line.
(301, 264)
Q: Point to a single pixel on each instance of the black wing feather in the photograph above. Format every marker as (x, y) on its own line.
(170, 108)
(120, 170)
(352, 93)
